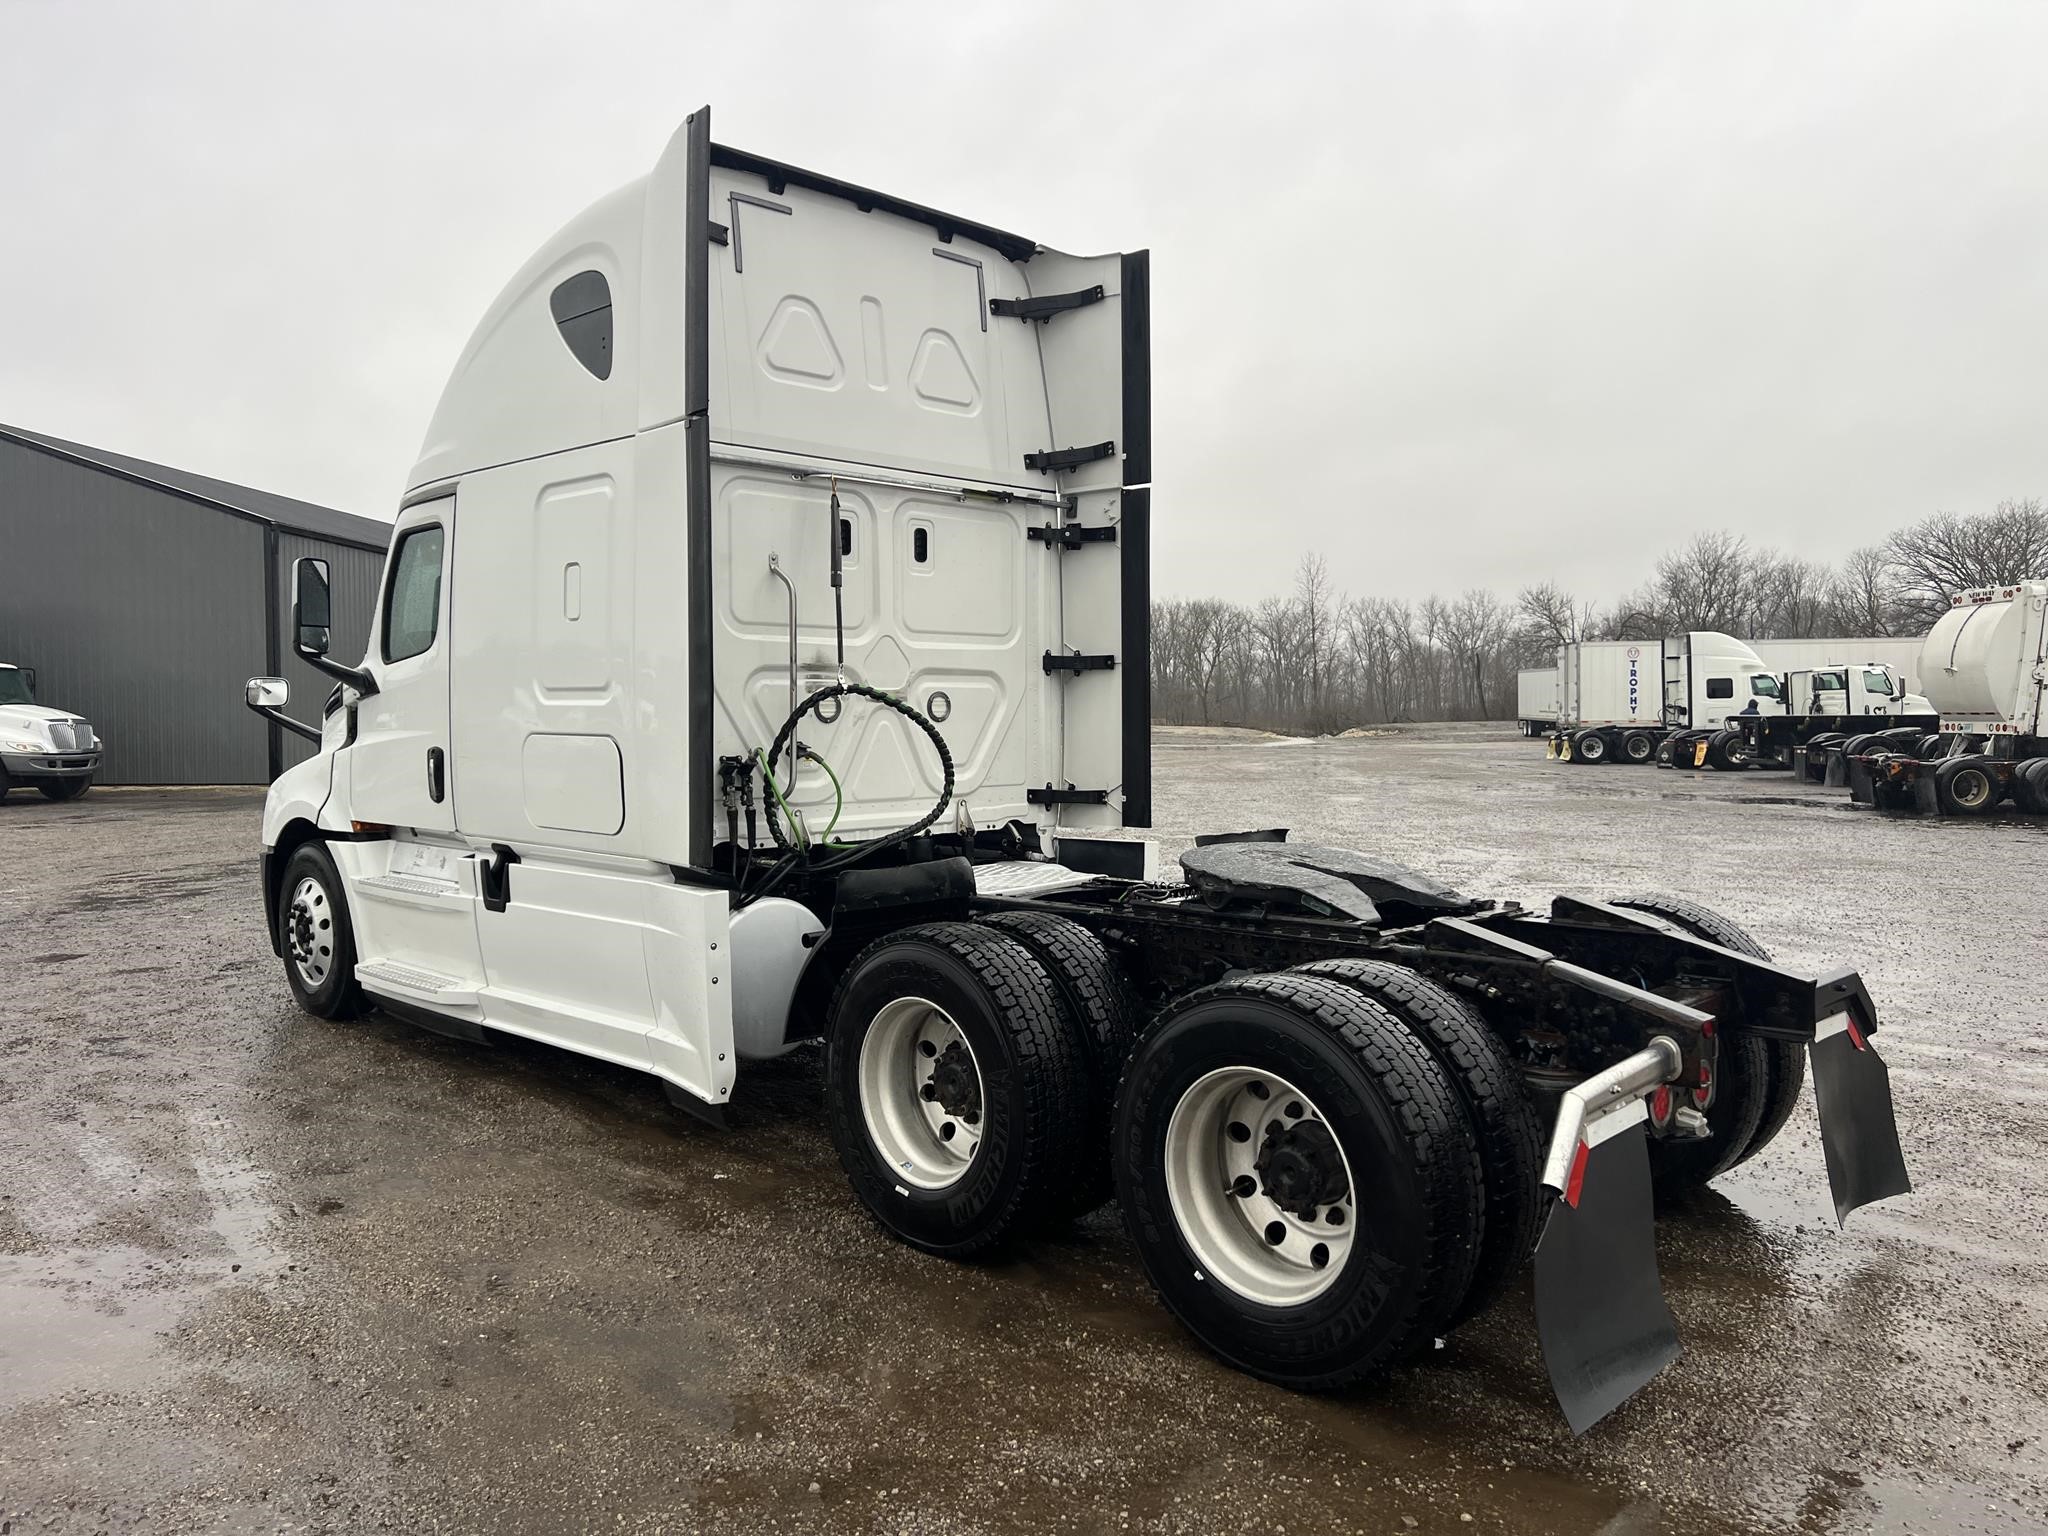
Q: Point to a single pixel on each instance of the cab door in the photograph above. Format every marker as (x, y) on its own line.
(400, 769)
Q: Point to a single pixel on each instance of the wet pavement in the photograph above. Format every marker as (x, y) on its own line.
(260, 1272)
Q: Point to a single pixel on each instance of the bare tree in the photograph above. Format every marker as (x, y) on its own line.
(1945, 554)
(1316, 660)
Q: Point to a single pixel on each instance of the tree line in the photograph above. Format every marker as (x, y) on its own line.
(1317, 661)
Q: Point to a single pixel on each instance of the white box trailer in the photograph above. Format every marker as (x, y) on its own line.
(1985, 664)
(1626, 700)
(763, 502)
(1899, 652)
(1536, 700)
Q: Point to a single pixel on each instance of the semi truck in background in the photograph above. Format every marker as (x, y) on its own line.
(1899, 652)
(1723, 702)
(1630, 700)
(1826, 707)
(52, 750)
(1985, 665)
(714, 710)
(1536, 700)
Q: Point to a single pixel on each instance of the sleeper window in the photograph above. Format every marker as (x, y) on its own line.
(412, 606)
(1720, 687)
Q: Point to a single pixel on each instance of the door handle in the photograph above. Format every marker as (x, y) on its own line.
(437, 774)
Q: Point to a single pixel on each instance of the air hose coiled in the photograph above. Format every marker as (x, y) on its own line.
(902, 834)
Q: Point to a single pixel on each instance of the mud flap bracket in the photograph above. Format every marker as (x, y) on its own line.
(1600, 1311)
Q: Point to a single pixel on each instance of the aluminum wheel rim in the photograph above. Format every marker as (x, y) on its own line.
(1981, 788)
(912, 1051)
(309, 933)
(1240, 1235)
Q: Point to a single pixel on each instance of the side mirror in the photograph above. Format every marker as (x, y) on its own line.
(266, 693)
(310, 617)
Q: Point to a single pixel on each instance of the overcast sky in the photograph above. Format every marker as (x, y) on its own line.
(1456, 295)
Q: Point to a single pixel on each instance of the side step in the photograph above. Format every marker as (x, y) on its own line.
(415, 984)
(410, 890)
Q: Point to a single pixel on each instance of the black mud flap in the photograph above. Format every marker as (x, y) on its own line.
(1600, 1309)
(1858, 1133)
(1861, 788)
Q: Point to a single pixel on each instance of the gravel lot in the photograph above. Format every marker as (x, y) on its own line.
(260, 1272)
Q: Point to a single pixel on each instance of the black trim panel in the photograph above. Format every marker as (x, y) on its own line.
(697, 477)
(780, 176)
(273, 639)
(1137, 656)
(1137, 360)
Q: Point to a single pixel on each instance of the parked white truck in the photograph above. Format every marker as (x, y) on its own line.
(1985, 664)
(760, 659)
(1631, 701)
(1824, 708)
(1536, 700)
(52, 750)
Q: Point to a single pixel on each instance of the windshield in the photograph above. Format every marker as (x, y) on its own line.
(14, 686)
(1877, 681)
(1763, 685)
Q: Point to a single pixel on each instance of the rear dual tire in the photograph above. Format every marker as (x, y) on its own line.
(1758, 1082)
(1506, 1134)
(1966, 786)
(955, 1088)
(1339, 1237)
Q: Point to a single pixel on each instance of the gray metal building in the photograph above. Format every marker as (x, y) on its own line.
(146, 596)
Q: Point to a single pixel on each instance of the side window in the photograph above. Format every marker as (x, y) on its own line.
(412, 603)
(1720, 687)
(1877, 682)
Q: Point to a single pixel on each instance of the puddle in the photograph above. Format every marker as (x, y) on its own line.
(83, 1319)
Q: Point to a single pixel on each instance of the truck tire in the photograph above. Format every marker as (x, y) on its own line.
(1717, 751)
(1930, 747)
(65, 789)
(1965, 786)
(1589, 747)
(1760, 1079)
(5, 784)
(1102, 1013)
(1856, 746)
(1638, 746)
(319, 941)
(1358, 1121)
(955, 1090)
(1497, 1109)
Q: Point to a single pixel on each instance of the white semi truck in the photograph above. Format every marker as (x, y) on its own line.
(1631, 701)
(760, 660)
(52, 750)
(1826, 707)
(1536, 700)
(1985, 664)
